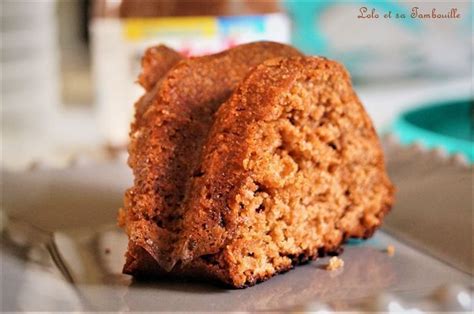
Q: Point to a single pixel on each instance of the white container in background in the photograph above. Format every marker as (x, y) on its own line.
(119, 43)
(30, 86)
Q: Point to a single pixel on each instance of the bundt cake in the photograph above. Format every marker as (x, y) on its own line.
(249, 162)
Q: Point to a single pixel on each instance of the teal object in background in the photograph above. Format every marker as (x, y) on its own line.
(306, 15)
(387, 42)
(447, 125)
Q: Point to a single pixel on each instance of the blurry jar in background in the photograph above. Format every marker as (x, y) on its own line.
(30, 69)
(122, 30)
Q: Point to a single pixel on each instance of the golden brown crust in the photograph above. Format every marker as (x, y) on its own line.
(165, 146)
(156, 62)
(290, 169)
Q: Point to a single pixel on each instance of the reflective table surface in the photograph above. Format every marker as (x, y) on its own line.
(61, 251)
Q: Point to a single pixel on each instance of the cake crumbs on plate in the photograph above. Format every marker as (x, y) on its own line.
(390, 250)
(335, 263)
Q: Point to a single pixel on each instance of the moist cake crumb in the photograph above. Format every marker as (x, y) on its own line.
(335, 263)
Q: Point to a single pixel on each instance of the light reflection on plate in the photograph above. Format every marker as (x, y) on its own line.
(61, 251)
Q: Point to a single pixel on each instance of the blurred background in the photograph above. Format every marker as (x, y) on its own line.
(68, 85)
(69, 66)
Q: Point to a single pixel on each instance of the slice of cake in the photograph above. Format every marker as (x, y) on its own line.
(289, 168)
(171, 123)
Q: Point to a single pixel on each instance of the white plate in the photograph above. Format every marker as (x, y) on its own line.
(72, 259)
